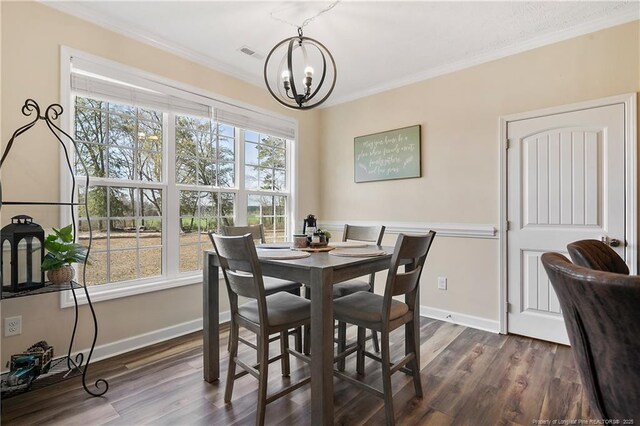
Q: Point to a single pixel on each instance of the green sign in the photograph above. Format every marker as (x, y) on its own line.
(388, 155)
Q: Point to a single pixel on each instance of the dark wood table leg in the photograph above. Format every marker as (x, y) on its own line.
(321, 347)
(210, 319)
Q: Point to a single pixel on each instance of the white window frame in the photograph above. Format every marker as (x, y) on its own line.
(172, 278)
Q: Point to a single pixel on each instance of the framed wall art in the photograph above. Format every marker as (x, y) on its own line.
(394, 154)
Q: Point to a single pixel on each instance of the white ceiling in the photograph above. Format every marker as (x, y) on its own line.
(376, 45)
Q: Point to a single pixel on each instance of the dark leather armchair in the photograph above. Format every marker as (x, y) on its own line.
(602, 315)
(594, 254)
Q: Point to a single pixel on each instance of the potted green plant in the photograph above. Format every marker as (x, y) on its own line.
(324, 236)
(61, 253)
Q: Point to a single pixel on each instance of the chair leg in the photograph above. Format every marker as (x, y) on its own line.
(307, 340)
(233, 353)
(342, 343)
(298, 339)
(229, 341)
(263, 344)
(374, 334)
(413, 338)
(386, 379)
(259, 351)
(376, 345)
(284, 350)
(362, 341)
(307, 328)
(298, 331)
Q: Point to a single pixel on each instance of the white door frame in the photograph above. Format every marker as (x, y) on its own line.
(631, 214)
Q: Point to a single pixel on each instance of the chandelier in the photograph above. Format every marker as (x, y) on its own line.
(300, 72)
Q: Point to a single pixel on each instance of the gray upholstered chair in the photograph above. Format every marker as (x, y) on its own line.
(602, 316)
(384, 314)
(594, 254)
(271, 285)
(264, 315)
(366, 234)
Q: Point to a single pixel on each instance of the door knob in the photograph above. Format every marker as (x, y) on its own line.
(613, 242)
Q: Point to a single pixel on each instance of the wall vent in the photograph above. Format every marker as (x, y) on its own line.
(251, 52)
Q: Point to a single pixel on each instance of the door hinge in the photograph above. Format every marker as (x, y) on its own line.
(508, 225)
(507, 144)
(507, 307)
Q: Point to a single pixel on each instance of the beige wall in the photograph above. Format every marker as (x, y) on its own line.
(31, 38)
(459, 115)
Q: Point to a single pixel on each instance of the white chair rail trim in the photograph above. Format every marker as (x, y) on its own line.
(458, 230)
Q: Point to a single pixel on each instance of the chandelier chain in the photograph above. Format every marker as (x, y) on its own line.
(306, 21)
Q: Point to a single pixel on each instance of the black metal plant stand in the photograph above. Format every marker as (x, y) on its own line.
(67, 366)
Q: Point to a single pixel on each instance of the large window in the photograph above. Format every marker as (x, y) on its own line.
(157, 176)
(205, 159)
(120, 144)
(265, 159)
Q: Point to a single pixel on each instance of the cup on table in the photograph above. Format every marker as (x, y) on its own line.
(300, 241)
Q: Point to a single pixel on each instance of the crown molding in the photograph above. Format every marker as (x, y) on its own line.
(622, 17)
(77, 10)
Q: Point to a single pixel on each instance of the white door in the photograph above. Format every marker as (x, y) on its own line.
(565, 182)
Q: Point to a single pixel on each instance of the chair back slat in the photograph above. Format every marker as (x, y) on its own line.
(256, 231)
(371, 234)
(242, 284)
(406, 281)
(415, 249)
(602, 317)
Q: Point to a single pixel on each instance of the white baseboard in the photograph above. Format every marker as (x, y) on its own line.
(118, 347)
(492, 326)
(112, 349)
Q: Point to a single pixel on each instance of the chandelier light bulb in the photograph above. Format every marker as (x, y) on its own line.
(308, 71)
(285, 75)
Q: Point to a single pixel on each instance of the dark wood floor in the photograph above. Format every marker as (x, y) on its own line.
(470, 377)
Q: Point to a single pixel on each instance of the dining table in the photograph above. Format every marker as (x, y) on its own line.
(318, 272)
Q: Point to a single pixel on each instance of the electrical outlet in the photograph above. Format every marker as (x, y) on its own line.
(13, 326)
(442, 283)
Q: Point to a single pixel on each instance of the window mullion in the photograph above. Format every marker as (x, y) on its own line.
(108, 227)
(242, 198)
(137, 193)
(171, 208)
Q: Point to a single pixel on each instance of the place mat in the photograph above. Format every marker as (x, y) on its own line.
(315, 249)
(358, 252)
(350, 244)
(279, 254)
(274, 246)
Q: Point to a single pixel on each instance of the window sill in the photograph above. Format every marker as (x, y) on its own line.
(131, 288)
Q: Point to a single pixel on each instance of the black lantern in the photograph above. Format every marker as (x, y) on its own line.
(25, 271)
(310, 223)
